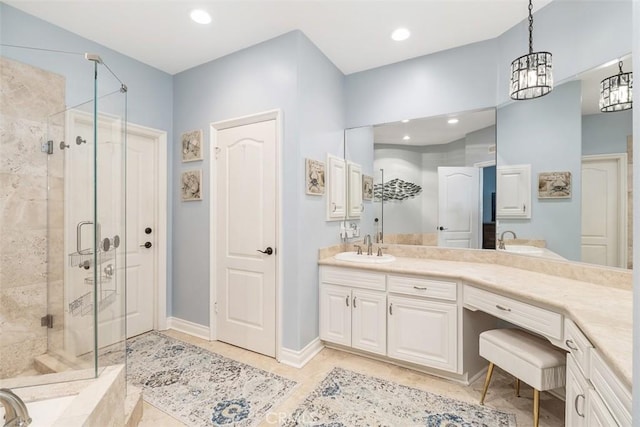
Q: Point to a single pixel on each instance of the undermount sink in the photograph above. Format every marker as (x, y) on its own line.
(365, 259)
(523, 249)
(532, 251)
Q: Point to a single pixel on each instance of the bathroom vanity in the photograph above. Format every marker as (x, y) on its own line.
(427, 314)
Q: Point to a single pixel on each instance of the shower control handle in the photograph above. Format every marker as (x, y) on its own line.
(146, 245)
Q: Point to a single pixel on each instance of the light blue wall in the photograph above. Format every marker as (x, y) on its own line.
(546, 134)
(149, 98)
(291, 74)
(426, 86)
(321, 131)
(606, 133)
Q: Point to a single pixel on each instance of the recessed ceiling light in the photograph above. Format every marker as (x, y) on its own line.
(406, 137)
(400, 34)
(452, 121)
(405, 121)
(200, 16)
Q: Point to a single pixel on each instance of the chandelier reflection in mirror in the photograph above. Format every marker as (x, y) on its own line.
(531, 74)
(616, 92)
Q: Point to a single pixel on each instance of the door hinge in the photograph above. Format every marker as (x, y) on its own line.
(47, 321)
(47, 147)
(215, 307)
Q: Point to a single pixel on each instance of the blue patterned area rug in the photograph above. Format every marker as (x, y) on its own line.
(201, 388)
(346, 398)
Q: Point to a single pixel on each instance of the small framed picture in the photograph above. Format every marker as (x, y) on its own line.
(367, 187)
(191, 185)
(314, 173)
(191, 146)
(554, 185)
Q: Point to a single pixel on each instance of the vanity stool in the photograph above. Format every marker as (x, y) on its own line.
(527, 357)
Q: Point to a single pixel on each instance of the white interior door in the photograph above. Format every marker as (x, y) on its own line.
(141, 197)
(603, 210)
(245, 225)
(459, 207)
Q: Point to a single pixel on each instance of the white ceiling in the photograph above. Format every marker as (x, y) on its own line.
(354, 34)
(434, 130)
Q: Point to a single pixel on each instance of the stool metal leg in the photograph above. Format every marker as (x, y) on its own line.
(536, 407)
(486, 382)
(517, 387)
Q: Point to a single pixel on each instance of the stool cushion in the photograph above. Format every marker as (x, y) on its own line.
(532, 359)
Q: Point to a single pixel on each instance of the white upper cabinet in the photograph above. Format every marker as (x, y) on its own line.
(354, 195)
(513, 191)
(336, 188)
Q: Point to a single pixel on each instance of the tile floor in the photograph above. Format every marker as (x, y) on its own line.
(501, 393)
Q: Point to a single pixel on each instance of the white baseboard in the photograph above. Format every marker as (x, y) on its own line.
(299, 358)
(187, 327)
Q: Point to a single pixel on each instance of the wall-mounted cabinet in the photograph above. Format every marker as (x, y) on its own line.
(354, 187)
(336, 188)
(513, 187)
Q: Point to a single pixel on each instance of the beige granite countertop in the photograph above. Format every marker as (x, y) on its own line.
(604, 313)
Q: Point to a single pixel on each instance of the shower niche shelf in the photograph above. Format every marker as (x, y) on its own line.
(84, 258)
(83, 306)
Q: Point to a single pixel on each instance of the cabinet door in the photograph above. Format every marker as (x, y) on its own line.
(423, 332)
(513, 191)
(354, 187)
(335, 314)
(597, 412)
(369, 321)
(336, 188)
(576, 400)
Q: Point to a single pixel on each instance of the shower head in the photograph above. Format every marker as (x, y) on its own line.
(93, 57)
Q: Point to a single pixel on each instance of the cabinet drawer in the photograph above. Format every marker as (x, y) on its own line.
(528, 316)
(614, 394)
(439, 289)
(578, 345)
(354, 278)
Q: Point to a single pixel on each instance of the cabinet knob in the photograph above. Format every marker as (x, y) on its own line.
(391, 309)
(354, 302)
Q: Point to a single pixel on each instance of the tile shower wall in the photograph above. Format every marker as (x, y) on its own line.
(28, 97)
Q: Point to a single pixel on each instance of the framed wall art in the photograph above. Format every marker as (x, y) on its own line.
(367, 187)
(314, 177)
(554, 185)
(191, 185)
(191, 146)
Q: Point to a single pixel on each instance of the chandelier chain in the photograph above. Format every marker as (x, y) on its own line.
(530, 27)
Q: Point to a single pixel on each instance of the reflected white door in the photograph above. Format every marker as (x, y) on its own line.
(141, 193)
(459, 207)
(603, 210)
(246, 224)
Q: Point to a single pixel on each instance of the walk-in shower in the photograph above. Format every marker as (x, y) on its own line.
(62, 213)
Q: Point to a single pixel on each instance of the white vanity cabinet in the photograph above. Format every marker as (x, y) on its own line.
(595, 396)
(354, 190)
(353, 309)
(513, 189)
(336, 188)
(422, 321)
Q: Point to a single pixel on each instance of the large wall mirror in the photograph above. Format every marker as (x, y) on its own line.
(578, 162)
(433, 179)
(580, 172)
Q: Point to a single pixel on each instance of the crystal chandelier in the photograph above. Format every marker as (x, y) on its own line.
(616, 92)
(531, 75)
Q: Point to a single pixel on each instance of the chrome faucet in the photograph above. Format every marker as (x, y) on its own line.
(15, 411)
(501, 239)
(367, 241)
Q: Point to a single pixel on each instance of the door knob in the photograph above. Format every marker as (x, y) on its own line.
(267, 251)
(441, 228)
(148, 230)
(146, 245)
